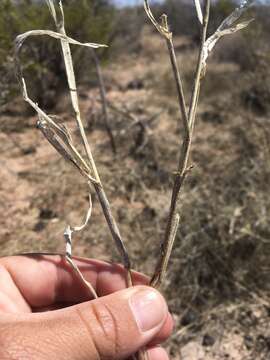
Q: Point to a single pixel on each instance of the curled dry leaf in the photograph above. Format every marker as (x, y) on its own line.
(21, 38)
(235, 15)
(68, 238)
(61, 141)
(227, 27)
(59, 137)
(71, 229)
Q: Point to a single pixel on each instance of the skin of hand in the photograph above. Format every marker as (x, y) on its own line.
(47, 313)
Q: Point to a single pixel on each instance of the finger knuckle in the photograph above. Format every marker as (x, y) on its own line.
(106, 336)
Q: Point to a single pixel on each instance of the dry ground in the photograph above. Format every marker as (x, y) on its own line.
(217, 285)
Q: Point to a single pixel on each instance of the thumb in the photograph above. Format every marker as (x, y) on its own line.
(111, 327)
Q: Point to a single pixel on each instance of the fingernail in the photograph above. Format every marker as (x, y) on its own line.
(157, 353)
(149, 309)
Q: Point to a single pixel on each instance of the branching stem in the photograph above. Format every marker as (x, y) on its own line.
(59, 137)
(113, 227)
(188, 123)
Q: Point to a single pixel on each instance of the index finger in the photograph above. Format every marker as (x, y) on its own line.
(44, 280)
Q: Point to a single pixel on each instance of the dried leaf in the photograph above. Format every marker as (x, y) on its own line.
(59, 137)
(52, 9)
(63, 147)
(21, 38)
(235, 15)
(68, 238)
(199, 10)
(227, 27)
(87, 218)
(71, 229)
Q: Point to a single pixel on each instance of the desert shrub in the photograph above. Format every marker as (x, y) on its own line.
(250, 51)
(227, 239)
(130, 22)
(250, 47)
(182, 17)
(89, 20)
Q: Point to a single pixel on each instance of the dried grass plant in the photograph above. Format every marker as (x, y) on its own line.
(60, 138)
(188, 115)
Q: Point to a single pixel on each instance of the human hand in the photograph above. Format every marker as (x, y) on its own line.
(45, 312)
